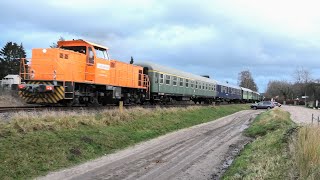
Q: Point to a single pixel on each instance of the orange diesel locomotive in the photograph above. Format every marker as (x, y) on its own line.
(81, 72)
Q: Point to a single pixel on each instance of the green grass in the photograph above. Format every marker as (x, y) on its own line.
(33, 145)
(267, 157)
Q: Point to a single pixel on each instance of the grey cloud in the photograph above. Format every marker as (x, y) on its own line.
(229, 48)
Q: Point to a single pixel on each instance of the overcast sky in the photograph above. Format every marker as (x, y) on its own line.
(271, 38)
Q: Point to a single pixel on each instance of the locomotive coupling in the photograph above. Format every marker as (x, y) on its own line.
(33, 88)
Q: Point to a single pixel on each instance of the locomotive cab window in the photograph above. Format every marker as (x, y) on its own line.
(79, 49)
(90, 56)
(101, 53)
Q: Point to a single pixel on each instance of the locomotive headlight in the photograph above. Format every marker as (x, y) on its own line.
(44, 50)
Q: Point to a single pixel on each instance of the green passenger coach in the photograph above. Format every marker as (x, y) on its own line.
(168, 84)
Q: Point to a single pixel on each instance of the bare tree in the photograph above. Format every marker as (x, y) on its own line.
(245, 80)
(55, 45)
(279, 90)
(303, 82)
(302, 75)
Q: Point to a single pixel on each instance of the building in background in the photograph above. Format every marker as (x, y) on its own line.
(10, 80)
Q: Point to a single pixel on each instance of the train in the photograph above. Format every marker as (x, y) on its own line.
(79, 72)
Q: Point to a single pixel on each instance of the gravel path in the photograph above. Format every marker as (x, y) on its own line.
(199, 152)
(301, 115)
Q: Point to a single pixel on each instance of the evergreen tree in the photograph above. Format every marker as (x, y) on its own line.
(10, 56)
(131, 61)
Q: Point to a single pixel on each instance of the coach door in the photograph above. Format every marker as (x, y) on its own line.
(90, 68)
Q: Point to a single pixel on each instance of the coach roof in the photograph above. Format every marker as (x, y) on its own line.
(228, 85)
(174, 72)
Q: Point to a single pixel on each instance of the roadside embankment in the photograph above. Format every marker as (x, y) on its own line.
(268, 156)
(281, 150)
(33, 145)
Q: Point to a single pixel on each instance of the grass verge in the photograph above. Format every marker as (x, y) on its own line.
(268, 156)
(32, 144)
(306, 150)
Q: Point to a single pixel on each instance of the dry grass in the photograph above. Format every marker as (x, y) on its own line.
(8, 98)
(25, 122)
(307, 152)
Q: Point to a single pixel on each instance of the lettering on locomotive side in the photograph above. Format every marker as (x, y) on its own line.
(103, 66)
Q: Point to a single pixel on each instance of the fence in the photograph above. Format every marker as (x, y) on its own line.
(315, 118)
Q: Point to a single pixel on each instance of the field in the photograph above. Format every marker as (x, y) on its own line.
(32, 144)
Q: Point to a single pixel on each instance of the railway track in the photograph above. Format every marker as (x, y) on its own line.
(65, 108)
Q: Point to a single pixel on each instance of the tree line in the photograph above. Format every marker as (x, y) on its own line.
(303, 85)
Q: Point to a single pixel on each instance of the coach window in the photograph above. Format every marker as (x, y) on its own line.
(156, 77)
(187, 82)
(202, 85)
(174, 80)
(181, 81)
(168, 78)
(191, 84)
(161, 78)
(196, 84)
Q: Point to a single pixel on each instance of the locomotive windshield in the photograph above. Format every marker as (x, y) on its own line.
(80, 49)
(101, 53)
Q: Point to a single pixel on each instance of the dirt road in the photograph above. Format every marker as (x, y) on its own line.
(199, 152)
(302, 115)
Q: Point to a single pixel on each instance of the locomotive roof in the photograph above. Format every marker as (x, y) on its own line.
(172, 71)
(81, 41)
